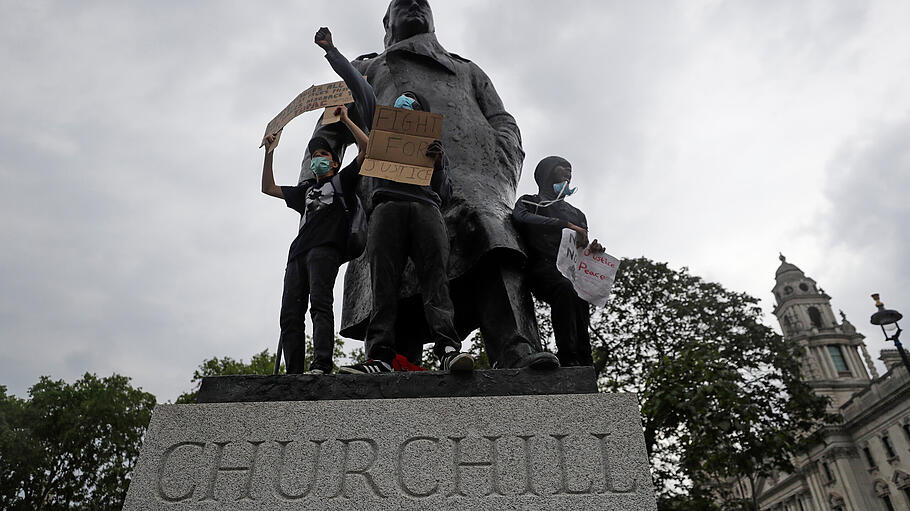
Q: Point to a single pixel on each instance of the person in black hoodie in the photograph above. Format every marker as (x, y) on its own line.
(540, 220)
(406, 222)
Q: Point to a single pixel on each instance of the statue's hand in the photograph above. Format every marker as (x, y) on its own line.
(323, 39)
(435, 151)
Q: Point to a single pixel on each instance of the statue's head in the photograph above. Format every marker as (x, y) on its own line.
(407, 18)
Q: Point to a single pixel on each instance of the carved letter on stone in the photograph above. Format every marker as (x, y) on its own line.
(563, 476)
(364, 471)
(279, 472)
(609, 486)
(217, 469)
(493, 464)
(162, 494)
(401, 482)
(529, 477)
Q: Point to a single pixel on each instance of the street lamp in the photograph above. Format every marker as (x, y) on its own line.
(887, 319)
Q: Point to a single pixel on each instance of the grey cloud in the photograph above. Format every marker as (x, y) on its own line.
(869, 221)
(135, 239)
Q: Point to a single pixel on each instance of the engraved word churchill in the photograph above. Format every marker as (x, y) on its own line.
(418, 467)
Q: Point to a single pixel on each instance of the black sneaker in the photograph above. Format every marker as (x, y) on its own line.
(455, 361)
(368, 367)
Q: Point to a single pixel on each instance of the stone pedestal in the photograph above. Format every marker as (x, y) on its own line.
(578, 450)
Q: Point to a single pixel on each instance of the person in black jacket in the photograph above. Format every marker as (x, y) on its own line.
(540, 220)
(406, 222)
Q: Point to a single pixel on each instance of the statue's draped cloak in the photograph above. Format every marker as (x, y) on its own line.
(483, 144)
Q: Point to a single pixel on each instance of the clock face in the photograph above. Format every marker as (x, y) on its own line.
(804, 287)
(788, 290)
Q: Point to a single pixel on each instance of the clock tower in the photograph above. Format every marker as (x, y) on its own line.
(831, 363)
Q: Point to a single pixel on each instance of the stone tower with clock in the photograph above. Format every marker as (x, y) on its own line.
(832, 362)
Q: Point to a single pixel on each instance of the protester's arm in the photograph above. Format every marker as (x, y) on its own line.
(361, 91)
(359, 136)
(522, 214)
(268, 176)
(350, 175)
(440, 182)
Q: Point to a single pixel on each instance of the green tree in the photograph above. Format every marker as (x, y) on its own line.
(721, 394)
(260, 363)
(71, 446)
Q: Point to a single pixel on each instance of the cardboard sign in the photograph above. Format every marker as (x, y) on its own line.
(317, 96)
(398, 145)
(591, 274)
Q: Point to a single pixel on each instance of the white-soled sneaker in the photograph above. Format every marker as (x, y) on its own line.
(368, 367)
(458, 362)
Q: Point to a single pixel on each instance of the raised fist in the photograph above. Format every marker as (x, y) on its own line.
(323, 39)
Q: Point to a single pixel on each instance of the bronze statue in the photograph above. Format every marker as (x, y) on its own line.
(483, 144)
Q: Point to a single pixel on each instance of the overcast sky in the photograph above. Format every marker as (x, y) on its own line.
(709, 134)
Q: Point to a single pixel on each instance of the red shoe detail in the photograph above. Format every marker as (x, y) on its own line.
(400, 363)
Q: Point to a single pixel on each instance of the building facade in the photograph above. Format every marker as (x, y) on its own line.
(863, 463)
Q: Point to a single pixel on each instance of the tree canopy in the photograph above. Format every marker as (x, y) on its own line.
(260, 363)
(71, 445)
(721, 393)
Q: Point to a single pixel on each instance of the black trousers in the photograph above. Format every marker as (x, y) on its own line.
(398, 230)
(309, 277)
(571, 316)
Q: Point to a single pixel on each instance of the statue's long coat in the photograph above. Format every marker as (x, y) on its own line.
(483, 144)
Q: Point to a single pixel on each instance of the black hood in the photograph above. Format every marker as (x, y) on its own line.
(543, 174)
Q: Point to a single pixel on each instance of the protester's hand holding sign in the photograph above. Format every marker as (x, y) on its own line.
(341, 112)
(435, 151)
(271, 141)
(591, 270)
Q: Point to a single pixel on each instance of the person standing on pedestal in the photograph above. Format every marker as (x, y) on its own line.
(541, 219)
(324, 205)
(406, 222)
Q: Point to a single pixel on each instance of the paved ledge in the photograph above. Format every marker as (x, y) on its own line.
(398, 385)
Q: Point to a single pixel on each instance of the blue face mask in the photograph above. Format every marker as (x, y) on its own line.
(405, 102)
(563, 189)
(320, 165)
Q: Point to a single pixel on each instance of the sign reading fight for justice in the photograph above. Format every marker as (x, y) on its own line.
(592, 274)
(398, 145)
(317, 96)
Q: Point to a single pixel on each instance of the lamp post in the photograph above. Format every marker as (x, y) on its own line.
(887, 319)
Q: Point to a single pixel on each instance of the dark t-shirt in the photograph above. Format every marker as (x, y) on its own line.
(324, 220)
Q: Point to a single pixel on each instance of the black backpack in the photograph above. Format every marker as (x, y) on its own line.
(357, 221)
